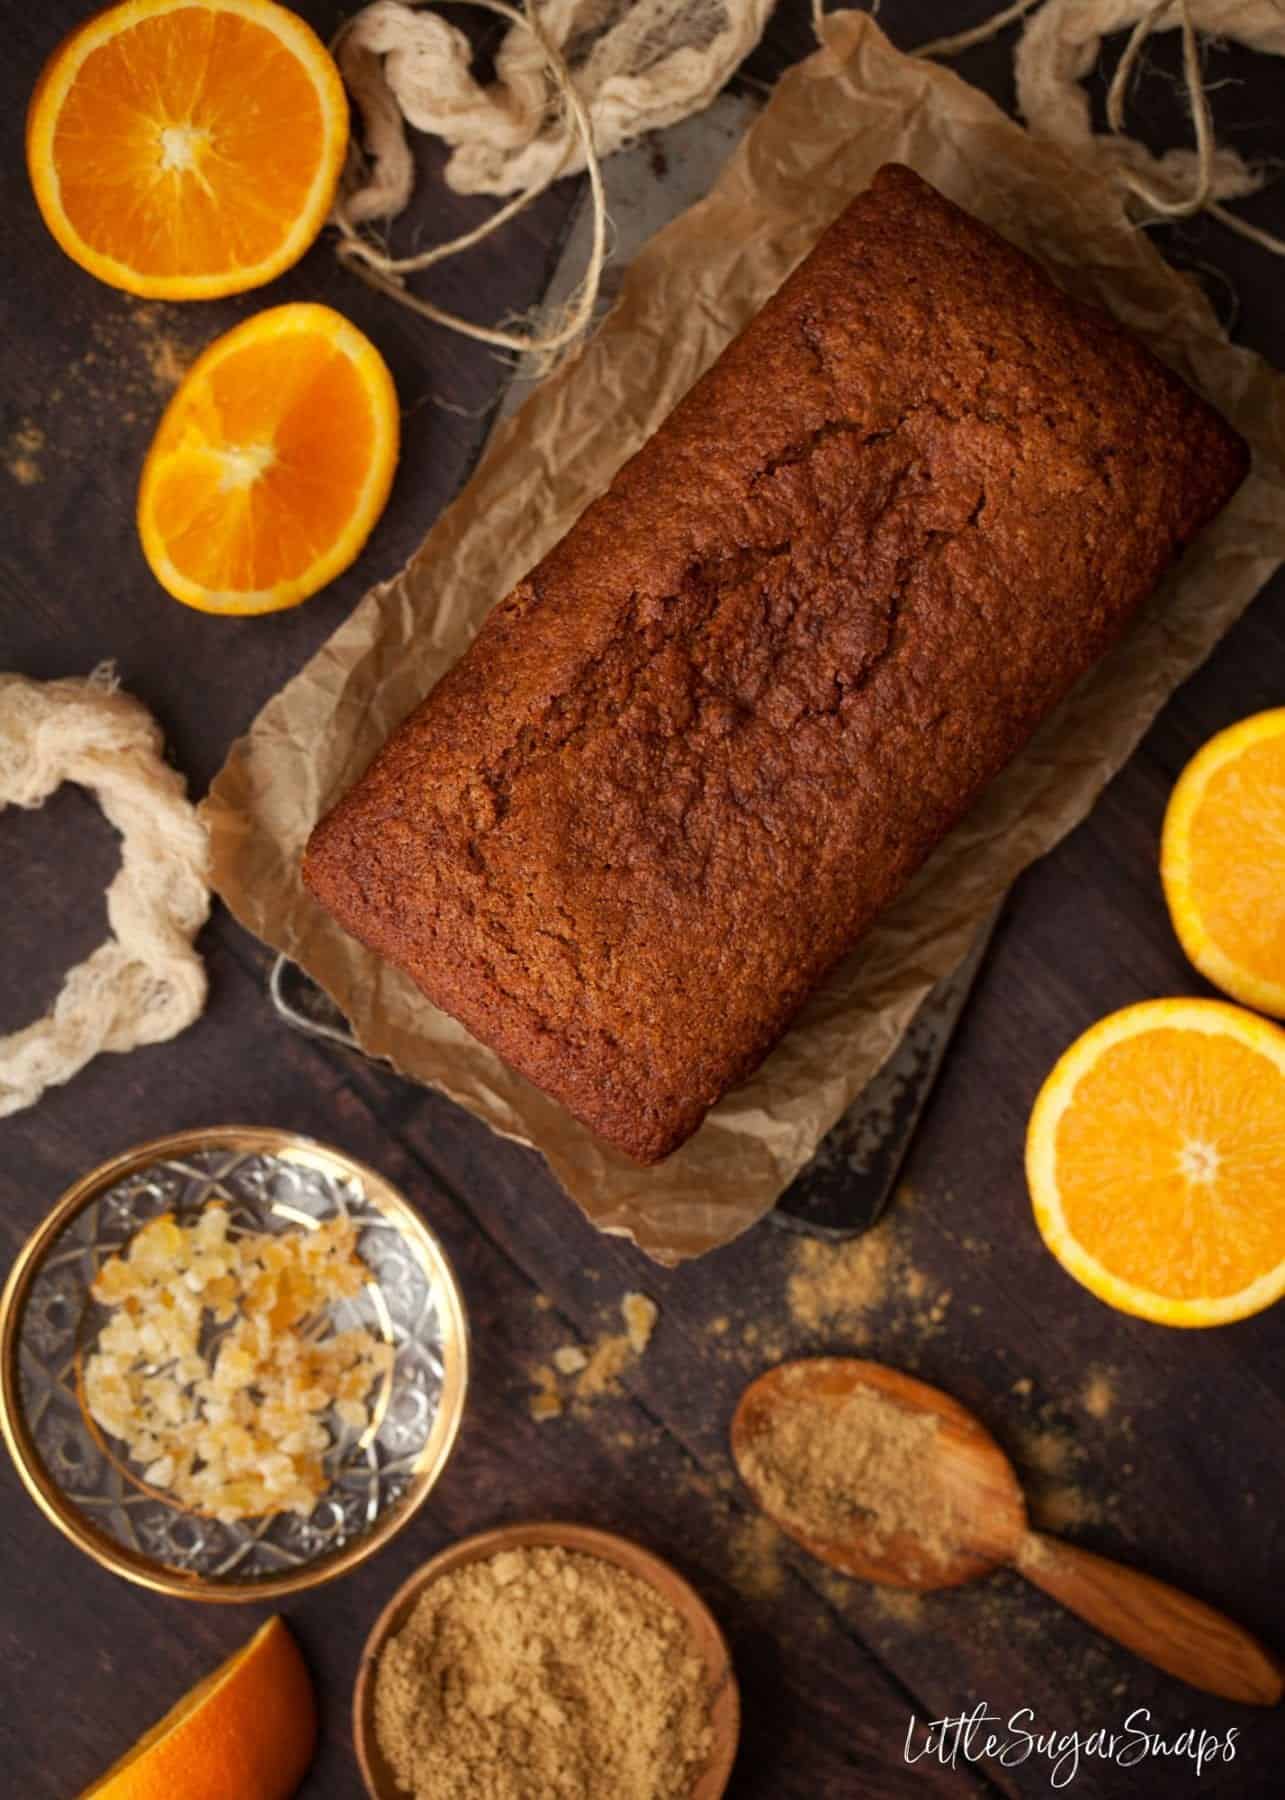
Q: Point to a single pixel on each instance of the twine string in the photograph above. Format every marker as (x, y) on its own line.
(979, 34)
(1262, 17)
(367, 259)
(1201, 194)
(548, 82)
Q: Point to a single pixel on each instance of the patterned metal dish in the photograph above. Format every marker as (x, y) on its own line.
(82, 1481)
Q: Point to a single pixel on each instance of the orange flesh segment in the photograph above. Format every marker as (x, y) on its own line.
(259, 478)
(248, 1729)
(1237, 858)
(1171, 1163)
(166, 164)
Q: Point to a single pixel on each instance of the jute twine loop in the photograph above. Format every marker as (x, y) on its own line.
(146, 983)
(426, 80)
(575, 80)
(1060, 43)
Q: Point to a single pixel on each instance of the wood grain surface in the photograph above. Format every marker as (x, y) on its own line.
(1166, 1449)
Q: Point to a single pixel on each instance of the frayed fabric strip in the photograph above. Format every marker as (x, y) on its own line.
(1061, 41)
(147, 982)
(572, 85)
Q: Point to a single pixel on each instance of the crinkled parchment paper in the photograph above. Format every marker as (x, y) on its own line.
(830, 123)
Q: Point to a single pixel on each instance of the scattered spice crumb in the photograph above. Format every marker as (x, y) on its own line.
(640, 1316)
(926, 1323)
(543, 1671)
(1023, 1387)
(1063, 1507)
(902, 1605)
(838, 1284)
(546, 1402)
(167, 362)
(22, 452)
(541, 1302)
(719, 1327)
(166, 356)
(1048, 1457)
(597, 1368)
(1049, 1451)
(607, 1362)
(1098, 1394)
(839, 1590)
(841, 1287)
(756, 1546)
(764, 1348)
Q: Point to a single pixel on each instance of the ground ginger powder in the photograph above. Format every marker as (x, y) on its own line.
(543, 1674)
(858, 1465)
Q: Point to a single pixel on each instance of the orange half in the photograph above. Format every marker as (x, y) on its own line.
(247, 1732)
(1156, 1161)
(183, 149)
(1222, 861)
(271, 464)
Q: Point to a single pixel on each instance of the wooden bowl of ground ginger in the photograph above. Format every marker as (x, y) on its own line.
(550, 1659)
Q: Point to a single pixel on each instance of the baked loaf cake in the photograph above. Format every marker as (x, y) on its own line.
(694, 753)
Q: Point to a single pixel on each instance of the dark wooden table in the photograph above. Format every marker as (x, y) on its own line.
(1173, 1459)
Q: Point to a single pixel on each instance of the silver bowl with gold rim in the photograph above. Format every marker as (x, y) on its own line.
(84, 1481)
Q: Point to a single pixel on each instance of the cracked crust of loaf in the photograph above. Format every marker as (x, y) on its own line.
(695, 752)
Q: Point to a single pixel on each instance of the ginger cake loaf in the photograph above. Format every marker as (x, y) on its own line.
(695, 752)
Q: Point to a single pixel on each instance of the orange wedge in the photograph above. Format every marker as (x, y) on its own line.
(1156, 1161)
(247, 1731)
(1222, 861)
(187, 148)
(271, 464)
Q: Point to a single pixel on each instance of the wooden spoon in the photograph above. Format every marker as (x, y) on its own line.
(988, 1513)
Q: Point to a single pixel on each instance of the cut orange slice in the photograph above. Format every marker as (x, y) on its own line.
(182, 149)
(271, 464)
(248, 1730)
(1156, 1161)
(1222, 861)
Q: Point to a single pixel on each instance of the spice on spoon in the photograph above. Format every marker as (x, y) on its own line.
(543, 1671)
(830, 1465)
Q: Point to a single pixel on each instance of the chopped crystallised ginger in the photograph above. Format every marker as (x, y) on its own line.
(215, 1369)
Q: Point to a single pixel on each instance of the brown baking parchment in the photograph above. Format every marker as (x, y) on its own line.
(831, 121)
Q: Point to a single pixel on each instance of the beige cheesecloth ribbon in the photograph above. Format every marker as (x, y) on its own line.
(577, 79)
(1061, 43)
(146, 983)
